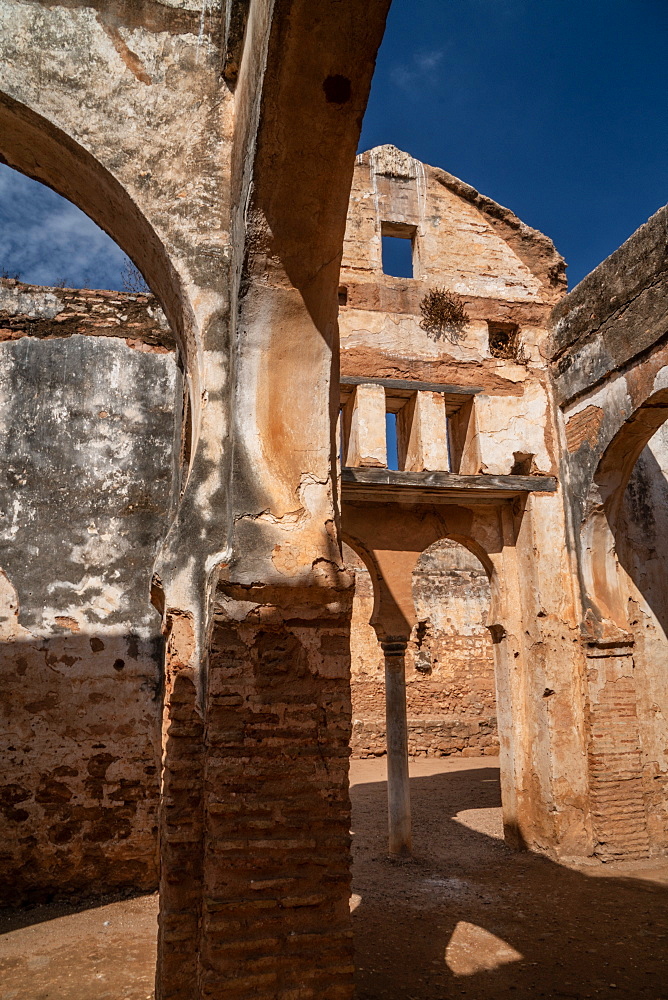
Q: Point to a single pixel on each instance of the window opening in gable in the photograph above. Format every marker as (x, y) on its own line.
(398, 241)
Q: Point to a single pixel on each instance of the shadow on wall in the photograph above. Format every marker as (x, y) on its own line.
(469, 917)
(641, 533)
(80, 745)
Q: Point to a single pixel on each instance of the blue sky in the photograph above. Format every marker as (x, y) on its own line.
(556, 108)
(47, 240)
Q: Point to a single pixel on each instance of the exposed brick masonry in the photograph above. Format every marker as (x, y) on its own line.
(277, 874)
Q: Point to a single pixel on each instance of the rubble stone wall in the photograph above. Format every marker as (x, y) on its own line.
(90, 425)
(450, 688)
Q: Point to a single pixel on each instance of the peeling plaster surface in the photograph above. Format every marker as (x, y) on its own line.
(86, 478)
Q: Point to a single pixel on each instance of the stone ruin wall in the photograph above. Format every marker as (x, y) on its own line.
(90, 405)
(450, 691)
(610, 376)
(90, 392)
(641, 542)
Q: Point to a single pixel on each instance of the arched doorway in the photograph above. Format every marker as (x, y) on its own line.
(624, 562)
(450, 687)
(91, 403)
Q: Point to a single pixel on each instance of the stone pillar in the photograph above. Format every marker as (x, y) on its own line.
(619, 818)
(364, 428)
(422, 438)
(398, 783)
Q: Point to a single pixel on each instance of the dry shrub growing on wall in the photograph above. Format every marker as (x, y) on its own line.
(443, 315)
(133, 280)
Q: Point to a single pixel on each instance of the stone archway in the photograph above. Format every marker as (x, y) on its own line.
(245, 179)
(450, 686)
(610, 372)
(624, 552)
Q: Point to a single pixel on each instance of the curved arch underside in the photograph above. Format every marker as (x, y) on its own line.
(34, 146)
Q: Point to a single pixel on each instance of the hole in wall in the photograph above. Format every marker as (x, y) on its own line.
(343, 295)
(397, 256)
(337, 89)
(503, 340)
(522, 465)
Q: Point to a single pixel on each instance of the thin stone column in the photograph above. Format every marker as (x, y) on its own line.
(398, 788)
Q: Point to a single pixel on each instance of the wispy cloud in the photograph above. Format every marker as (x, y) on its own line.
(420, 70)
(46, 239)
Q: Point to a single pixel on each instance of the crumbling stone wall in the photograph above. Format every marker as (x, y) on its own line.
(610, 371)
(90, 429)
(450, 692)
(502, 422)
(236, 220)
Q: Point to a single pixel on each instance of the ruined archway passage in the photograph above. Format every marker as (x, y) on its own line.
(450, 695)
(244, 213)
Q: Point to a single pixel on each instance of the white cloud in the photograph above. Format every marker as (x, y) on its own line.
(420, 70)
(46, 239)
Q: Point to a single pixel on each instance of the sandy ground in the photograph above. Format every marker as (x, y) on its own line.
(467, 917)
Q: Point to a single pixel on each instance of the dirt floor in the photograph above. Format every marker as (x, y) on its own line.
(467, 917)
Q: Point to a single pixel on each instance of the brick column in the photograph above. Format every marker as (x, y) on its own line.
(275, 906)
(181, 819)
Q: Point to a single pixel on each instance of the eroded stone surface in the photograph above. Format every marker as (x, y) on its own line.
(88, 432)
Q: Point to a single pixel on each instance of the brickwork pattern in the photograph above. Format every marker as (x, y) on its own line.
(275, 917)
(181, 837)
(615, 761)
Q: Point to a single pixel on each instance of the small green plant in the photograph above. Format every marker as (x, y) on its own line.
(443, 315)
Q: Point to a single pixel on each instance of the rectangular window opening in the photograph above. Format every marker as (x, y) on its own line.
(391, 438)
(398, 242)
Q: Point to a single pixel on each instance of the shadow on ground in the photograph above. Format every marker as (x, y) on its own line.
(469, 917)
